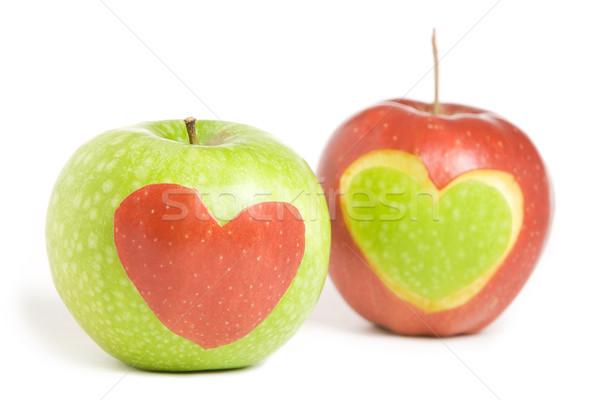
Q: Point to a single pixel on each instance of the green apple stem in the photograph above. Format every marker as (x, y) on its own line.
(436, 103)
(190, 125)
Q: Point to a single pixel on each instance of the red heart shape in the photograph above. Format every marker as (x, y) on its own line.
(208, 283)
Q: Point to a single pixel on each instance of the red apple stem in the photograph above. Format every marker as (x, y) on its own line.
(436, 103)
(190, 125)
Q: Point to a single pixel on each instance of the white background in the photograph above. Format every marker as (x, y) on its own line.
(72, 69)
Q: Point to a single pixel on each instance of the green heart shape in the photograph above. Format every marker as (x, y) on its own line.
(433, 244)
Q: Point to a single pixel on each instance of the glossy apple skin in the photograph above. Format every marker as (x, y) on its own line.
(457, 140)
(233, 167)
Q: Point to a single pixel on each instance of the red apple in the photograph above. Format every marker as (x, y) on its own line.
(433, 274)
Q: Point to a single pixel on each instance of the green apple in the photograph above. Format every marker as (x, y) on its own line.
(181, 252)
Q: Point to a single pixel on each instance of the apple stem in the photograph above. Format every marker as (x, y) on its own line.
(190, 125)
(436, 103)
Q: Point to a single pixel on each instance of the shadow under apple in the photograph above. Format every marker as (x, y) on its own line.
(333, 312)
(55, 329)
(50, 323)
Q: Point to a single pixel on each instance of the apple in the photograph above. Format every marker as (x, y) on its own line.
(184, 246)
(437, 219)
(439, 214)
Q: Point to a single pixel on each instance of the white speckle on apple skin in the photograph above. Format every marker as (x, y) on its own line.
(107, 186)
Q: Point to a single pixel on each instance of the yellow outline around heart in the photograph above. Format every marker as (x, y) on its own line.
(411, 165)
